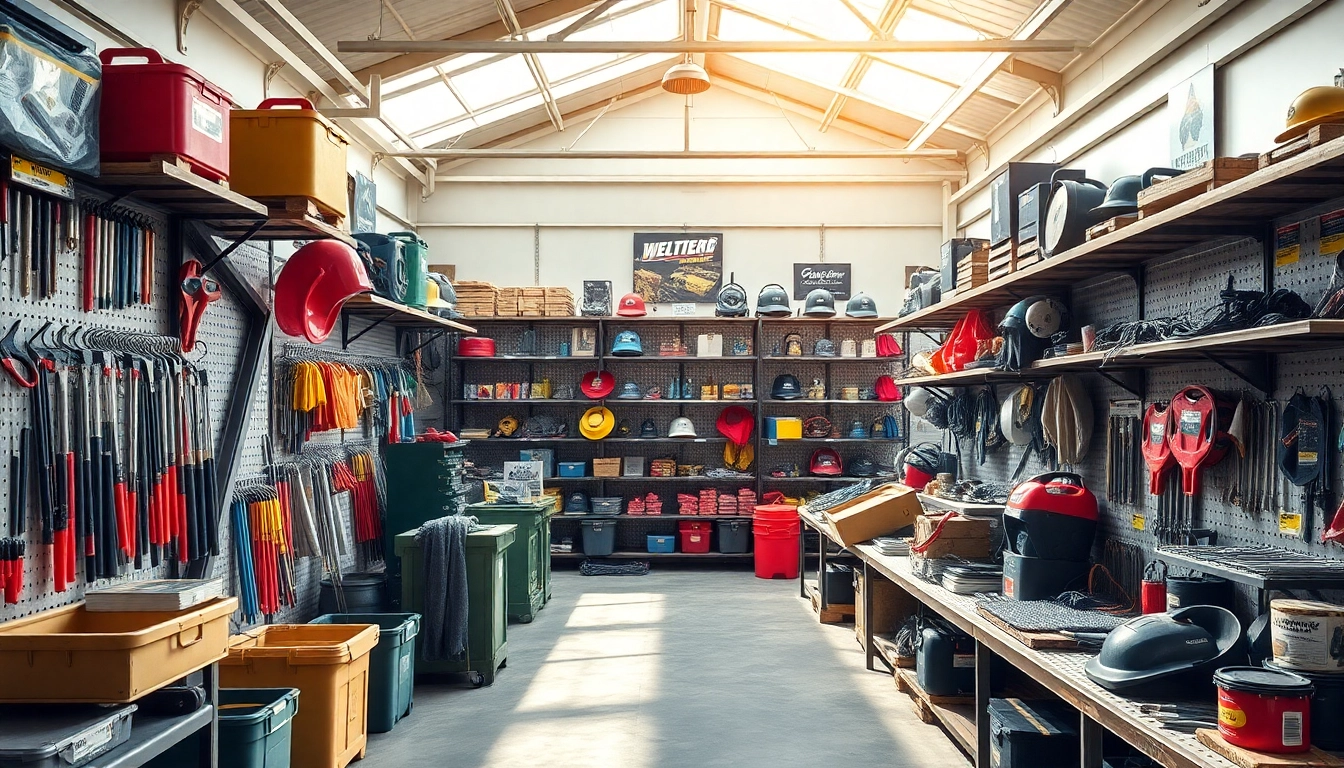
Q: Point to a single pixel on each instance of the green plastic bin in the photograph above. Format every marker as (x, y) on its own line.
(417, 266)
(255, 731)
(529, 557)
(391, 664)
(487, 630)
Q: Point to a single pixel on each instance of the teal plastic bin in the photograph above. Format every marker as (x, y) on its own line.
(417, 266)
(254, 726)
(391, 664)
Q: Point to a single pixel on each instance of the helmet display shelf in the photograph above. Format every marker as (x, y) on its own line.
(528, 350)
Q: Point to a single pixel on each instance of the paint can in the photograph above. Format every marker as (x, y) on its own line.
(1307, 635)
(1327, 706)
(1265, 710)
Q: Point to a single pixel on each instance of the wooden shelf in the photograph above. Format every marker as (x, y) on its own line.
(177, 190)
(284, 224)
(635, 440)
(767, 479)
(1296, 336)
(650, 517)
(829, 359)
(1242, 208)
(805, 401)
(398, 315)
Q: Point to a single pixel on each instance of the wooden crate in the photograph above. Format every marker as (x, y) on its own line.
(1028, 253)
(1313, 138)
(506, 304)
(607, 467)
(1193, 183)
(1110, 225)
(1002, 260)
(973, 270)
(1245, 758)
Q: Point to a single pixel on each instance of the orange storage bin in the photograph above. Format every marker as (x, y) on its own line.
(329, 664)
(73, 655)
(285, 148)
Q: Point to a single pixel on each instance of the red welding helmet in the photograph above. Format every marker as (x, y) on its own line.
(887, 391)
(631, 305)
(314, 284)
(475, 346)
(735, 423)
(596, 385)
(826, 462)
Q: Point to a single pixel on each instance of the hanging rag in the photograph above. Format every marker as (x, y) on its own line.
(443, 543)
(1066, 418)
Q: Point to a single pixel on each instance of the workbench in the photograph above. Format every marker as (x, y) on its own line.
(1061, 672)
(825, 541)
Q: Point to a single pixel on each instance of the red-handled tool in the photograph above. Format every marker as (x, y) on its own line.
(17, 363)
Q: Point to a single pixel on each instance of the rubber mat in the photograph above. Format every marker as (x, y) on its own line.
(1047, 616)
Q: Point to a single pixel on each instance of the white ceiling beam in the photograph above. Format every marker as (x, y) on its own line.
(438, 70)
(677, 154)
(510, 18)
(891, 15)
(446, 47)
(254, 36)
(1045, 13)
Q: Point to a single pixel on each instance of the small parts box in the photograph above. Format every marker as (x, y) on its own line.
(1031, 734)
(695, 536)
(606, 467)
(72, 655)
(783, 428)
(61, 736)
(329, 664)
(660, 544)
(153, 107)
(285, 148)
(573, 468)
(609, 506)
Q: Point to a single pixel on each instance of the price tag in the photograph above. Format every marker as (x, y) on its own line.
(1137, 522)
(41, 178)
(1290, 522)
(683, 309)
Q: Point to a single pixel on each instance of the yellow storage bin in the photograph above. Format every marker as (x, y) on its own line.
(73, 655)
(288, 153)
(329, 664)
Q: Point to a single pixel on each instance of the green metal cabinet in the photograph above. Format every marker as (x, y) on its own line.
(529, 569)
(424, 482)
(487, 634)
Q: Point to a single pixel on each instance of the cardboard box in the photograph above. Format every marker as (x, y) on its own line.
(883, 510)
(967, 537)
(783, 428)
(606, 467)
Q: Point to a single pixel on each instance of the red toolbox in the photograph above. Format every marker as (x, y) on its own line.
(151, 107)
(695, 535)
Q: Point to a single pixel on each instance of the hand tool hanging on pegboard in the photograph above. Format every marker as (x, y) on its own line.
(36, 234)
(1122, 452)
(118, 250)
(1304, 454)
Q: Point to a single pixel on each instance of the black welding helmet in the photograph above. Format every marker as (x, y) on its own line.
(860, 305)
(1161, 646)
(786, 387)
(773, 301)
(732, 301)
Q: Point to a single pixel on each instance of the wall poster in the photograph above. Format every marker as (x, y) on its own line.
(678, 267)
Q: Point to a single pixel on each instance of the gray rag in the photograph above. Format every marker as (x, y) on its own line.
(443, 543)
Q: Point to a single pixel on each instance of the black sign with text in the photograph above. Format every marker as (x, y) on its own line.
(832, 277)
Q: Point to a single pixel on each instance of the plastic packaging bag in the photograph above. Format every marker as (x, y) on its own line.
(50, 82)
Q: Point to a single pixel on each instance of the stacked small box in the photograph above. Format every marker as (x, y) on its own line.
(559, 302)
(635, 506)
(663, 468)
(727, 504)
(746, 501)
(476, 298)
(709, 501)
(973, 270)
(506, 304)
(652, 504)
(688, 504)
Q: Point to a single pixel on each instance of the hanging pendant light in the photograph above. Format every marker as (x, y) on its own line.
(686, 78)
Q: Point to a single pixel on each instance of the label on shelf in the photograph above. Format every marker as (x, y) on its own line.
(1290, 522)
(1137, 522)
(1287, 245)
(685, 309)
(41, 178)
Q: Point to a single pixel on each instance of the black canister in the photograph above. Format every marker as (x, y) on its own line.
(1327, 706)
(1197, 589)
(945, 662)
(364, 593)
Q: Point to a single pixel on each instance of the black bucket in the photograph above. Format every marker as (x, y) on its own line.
(1327, 706)
(1196, 589)
(364, 593)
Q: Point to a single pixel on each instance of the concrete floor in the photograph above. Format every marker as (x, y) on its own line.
(677, 668)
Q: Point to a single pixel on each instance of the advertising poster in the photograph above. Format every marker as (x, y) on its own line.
(833, 277)
(679, 267)
(1190, 120)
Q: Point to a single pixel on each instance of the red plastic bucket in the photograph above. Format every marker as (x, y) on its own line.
(776, 531)
(1265, 710)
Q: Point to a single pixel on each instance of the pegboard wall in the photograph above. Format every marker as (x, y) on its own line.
(220, 340)
(1181, 283)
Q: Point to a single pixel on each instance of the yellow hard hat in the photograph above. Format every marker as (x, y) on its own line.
(1312, 107)
(432, 299)
(596, 423)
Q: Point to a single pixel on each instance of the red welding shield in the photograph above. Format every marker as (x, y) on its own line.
(198, 292)
(314, 284)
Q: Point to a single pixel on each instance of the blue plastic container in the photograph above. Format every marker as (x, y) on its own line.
(663, 544)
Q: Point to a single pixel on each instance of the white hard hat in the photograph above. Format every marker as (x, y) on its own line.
(917, 402)
(1015, 414)
(1045, 318)
(681, 427)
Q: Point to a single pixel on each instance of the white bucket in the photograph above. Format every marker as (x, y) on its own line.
(1307, 635)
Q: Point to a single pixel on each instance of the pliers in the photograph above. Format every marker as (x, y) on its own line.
(17, 363)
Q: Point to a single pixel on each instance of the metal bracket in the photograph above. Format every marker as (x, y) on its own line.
(377, 160)
(185, 9)
(374, 110)
(1049, 80)
(1125, 381)
(272, 70)
(928, 336)
(425, 343)
(1140, 277)
(347, 339)
(251, 231)
(1259, 374)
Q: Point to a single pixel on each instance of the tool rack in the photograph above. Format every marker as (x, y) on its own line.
(757, 368)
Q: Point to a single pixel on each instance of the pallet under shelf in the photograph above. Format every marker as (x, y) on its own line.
(955, 713)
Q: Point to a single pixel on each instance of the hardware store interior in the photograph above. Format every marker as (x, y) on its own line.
(661, 383)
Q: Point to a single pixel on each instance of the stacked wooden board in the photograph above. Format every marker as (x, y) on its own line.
(533, 302)
(475, 298)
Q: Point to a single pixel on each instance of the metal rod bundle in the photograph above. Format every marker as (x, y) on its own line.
(263, 549)
(118, 250)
